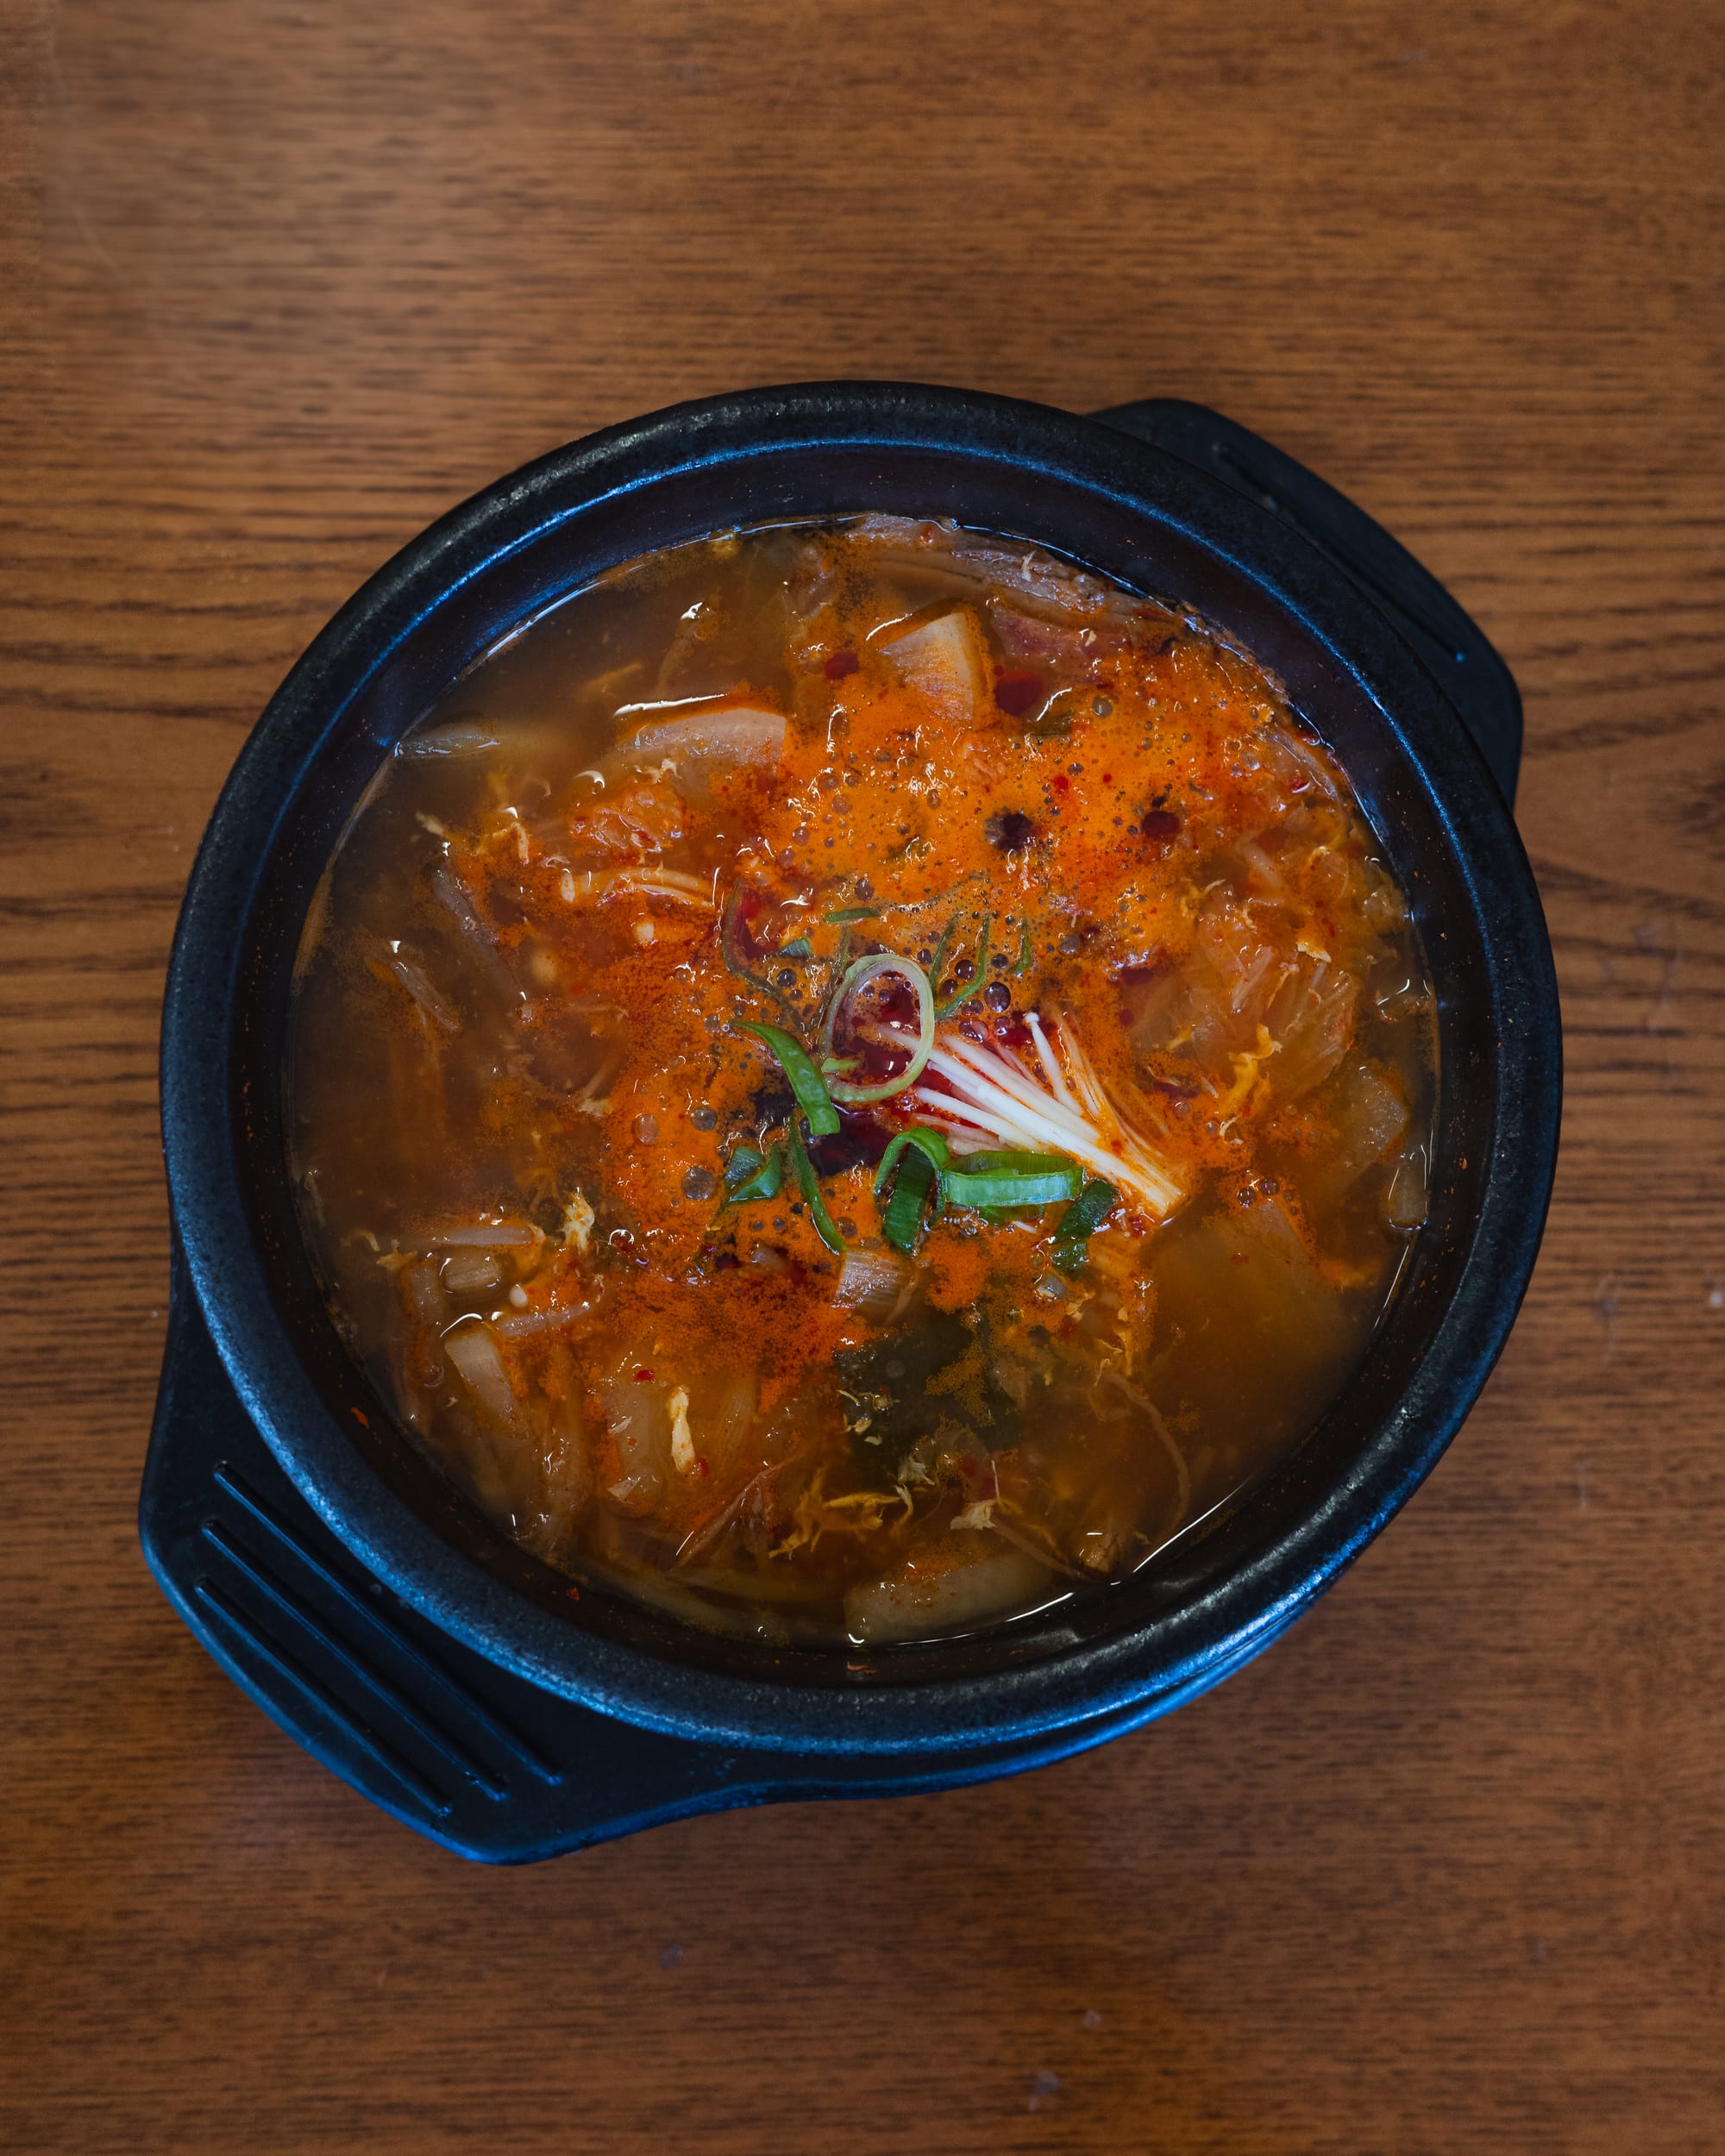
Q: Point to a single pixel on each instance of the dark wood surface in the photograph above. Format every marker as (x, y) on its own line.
(1444, 1870)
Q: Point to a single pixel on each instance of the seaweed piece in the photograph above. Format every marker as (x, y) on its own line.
(1080, 1221)
(892, 1399)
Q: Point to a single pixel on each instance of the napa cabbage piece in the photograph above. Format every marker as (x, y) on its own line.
(1248, 1333)
(1248, 1001)
(636, 1407)
(1363, 1122)
(946, 661)
(875, 1284)
(703, 744)
(943, 1590)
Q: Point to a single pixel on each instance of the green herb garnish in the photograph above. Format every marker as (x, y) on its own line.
(806, 1081)
(750, 1175)
(1080, 1221)
(976, 979)
(733, 957)
(901, 1222)
(803, 1168)
(930, 1144)
(940, 951)
(1015, 1181)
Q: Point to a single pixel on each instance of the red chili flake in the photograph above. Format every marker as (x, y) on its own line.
(364, 1420)
(643, 1377)
(1161, 824)
(1017, 693)
(701, 1467)
(1299, 785)
(1240, 1256)
(1060, 783)
(1107, 777)
(839, 663)
(574, 1594)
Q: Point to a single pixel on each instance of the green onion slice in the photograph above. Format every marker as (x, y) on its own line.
(930, 1144)
(812, 1097)
(1015, 1180)
(977, 981)
(803, 1166)
(1079, 1223)
(750, 1175)
(733, 957)
(901, 1222)
(941, 949)
(858, 976)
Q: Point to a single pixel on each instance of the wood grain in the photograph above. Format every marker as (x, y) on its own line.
(1445, 1869)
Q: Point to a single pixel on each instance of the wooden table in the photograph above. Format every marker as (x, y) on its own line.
(1444, 1869)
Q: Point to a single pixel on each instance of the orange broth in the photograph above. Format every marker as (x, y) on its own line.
(588, 1234)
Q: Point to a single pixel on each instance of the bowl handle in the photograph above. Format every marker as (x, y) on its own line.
(1466, 665)
(463, 1751)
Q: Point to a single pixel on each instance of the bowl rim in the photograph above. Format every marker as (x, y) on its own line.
(203, 1005)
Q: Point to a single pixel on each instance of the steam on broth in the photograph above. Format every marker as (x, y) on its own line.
(853, 1082)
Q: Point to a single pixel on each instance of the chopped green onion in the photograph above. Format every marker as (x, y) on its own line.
(800, 949)
(1011, 1163)
(805, 1082)
(743, 1162)
(859, 976)
(804, 1168)
(976, 979)
(901, 1222)
(733, 957)
(1052, 1182)
(750, 1175)
(854, 913)
(1026, 957)
(930, 1144)
(1080, 1221)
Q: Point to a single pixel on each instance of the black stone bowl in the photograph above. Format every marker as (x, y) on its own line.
(1135, 513)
